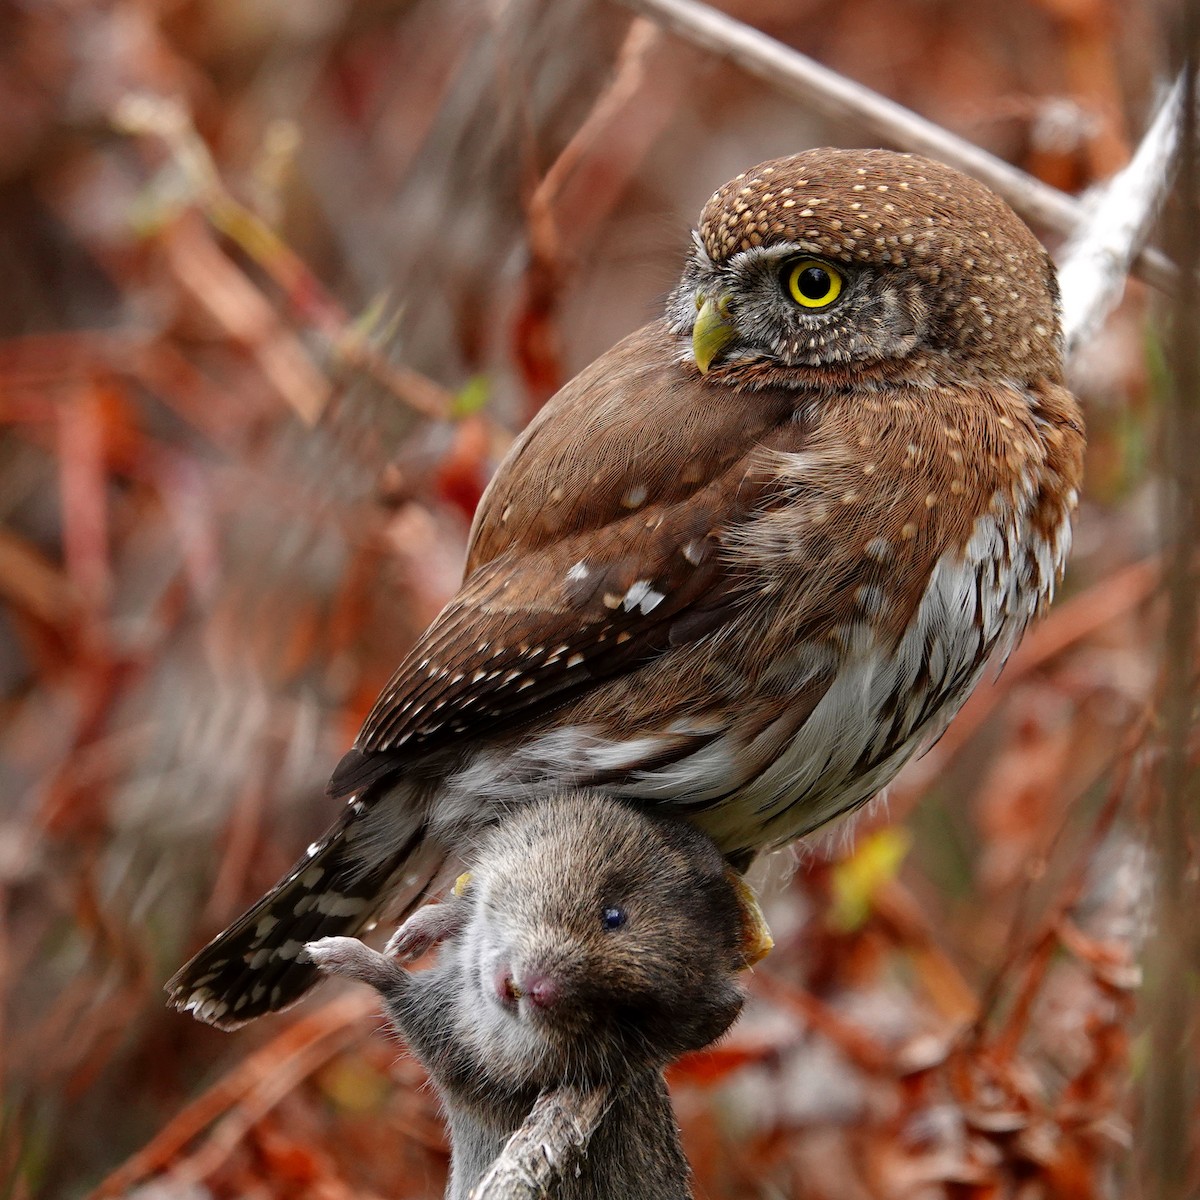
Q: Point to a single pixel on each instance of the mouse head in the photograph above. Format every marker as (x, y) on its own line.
(601, 938)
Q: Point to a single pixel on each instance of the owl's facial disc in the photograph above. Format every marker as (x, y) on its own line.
(808, 284)
(787, 306)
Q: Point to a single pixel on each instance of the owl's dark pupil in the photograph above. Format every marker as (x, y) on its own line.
(814, 283)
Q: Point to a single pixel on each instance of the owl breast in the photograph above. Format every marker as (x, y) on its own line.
(891, 699)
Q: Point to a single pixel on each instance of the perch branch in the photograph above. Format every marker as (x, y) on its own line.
(555, 1134)
(838, 98)
(1096, 261)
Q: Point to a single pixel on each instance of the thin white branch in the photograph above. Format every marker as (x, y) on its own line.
(836, 97)
(555, 1134)
(1096, 261)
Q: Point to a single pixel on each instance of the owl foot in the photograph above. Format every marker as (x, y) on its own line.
(757, 941)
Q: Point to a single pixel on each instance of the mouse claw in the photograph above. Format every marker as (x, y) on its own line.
(757, 941)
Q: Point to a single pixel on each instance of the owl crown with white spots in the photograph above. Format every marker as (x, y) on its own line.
(740, 569)
(937, 263)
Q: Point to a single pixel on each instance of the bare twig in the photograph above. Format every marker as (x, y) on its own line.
(623, 89)
(1096, 262)
(554, 1135)
(244, 314)
(568, 196)
(858, 1044)
(1030, 957)
(33, 584)
(836, 97)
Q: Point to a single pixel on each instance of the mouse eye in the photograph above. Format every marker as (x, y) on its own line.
(612, 918)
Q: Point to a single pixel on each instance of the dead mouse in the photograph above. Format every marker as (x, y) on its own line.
(590, 943)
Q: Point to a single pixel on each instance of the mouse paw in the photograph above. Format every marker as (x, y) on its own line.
(350, 957)
(429, 926)
(757, 941)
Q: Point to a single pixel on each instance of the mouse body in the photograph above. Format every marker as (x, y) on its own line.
(590, 944)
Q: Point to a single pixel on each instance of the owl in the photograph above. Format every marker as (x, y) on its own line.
(740, 569)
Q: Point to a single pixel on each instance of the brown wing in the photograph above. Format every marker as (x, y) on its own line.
(529, 631)
(597, 547)
(640, 428)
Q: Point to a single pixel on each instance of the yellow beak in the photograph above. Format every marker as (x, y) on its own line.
(712, 332)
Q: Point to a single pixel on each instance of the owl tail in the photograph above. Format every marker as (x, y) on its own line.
(257, 965)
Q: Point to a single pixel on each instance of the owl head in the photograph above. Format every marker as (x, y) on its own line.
(862, 261)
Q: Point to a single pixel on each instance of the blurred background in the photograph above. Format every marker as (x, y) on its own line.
(279, 282)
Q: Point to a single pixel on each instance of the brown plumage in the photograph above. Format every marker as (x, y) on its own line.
(743, 566)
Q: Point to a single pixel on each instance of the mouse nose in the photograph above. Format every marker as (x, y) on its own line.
(540, 989)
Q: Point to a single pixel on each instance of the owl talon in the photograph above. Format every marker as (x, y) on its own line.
(757, 941)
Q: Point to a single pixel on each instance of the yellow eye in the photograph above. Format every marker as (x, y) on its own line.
(813, 284)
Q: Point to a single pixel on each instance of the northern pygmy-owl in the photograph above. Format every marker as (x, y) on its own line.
(742, 567)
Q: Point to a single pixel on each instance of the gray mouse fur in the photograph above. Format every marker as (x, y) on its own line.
(593, 944)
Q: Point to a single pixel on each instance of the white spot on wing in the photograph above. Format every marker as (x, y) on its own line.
(642, 596)
(289, 949)
(333, 905)
(651, 601)
(635, 595)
